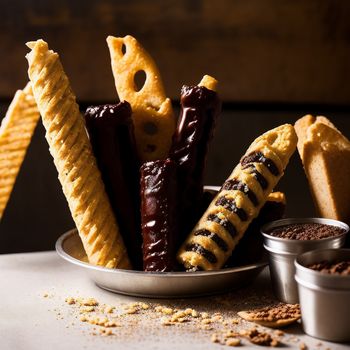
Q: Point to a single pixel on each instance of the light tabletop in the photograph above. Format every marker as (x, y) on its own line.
(35, 315)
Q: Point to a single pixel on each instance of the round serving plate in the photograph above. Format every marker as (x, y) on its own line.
(156, 284)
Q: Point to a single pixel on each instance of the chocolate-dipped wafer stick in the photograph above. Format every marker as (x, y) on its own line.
(159, 219)
(200, 108)
(111, 132)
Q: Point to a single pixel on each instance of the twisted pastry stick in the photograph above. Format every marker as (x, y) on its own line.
(239, 201)
(16, 131)
(71, 150)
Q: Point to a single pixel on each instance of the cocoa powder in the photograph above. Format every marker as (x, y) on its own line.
(336, 268)
(306, 231)
(280, 311)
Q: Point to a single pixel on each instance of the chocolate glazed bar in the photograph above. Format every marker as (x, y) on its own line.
(159, 219)
(112, 137)
(200, 108)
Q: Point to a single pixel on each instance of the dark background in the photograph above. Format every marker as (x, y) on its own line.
(275, 61)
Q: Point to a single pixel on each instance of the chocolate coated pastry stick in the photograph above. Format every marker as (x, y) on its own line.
(158, 214)
(200, 108)
(111, 132)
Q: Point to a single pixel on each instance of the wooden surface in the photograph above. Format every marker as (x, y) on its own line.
(260, 50)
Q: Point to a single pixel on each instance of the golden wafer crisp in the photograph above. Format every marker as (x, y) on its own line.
(16, 131)
(152, 111)
(72, 153)
(239, 201)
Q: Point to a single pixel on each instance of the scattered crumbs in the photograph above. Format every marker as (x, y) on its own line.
(70, 301)
(87, 301)
(279, 333)
(206, 327)
(225, 329)
(302, 346)
(206, 321)
(46, 294)
(235, 320)
(109, 309)
(233, 342)
(259, 337)
(85, 309)
(214, 338)
(131, 311)
(294, 339)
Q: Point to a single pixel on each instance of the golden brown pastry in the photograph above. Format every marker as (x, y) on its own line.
(238, 202)
(16, 131)
(152, 111)
(71, 150)
(325, 154)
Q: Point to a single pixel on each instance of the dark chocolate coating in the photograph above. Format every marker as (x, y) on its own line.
(111, 133)
(159, 214)
(200, 108)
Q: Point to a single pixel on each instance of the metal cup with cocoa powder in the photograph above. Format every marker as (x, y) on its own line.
(323, 279)
(287, 238)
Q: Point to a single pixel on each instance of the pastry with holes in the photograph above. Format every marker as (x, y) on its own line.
(151, 110)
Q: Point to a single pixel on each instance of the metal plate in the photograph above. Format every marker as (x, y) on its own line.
(156, 284)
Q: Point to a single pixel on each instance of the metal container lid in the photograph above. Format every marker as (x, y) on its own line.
(294, 246)
(319, 280)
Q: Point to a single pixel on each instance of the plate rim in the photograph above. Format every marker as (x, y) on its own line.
(193, 274)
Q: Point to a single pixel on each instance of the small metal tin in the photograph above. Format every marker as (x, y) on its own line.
(156, 284)
(282, 253)
(324, 298)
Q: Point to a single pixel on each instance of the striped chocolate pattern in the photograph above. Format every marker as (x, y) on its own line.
(234, 184)
(258, 157)
(226, 224)
(197, 248)
(247, 162)
(230, 204)
(216, 238)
